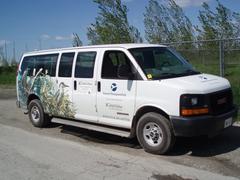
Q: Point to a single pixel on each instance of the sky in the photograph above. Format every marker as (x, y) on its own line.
(44, 24)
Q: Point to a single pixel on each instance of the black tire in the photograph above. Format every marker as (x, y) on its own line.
(36, 114)
(158, 126)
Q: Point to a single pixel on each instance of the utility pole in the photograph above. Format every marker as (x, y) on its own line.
(5, 44)
(14, 51)
(221, 58)
(40, 44)
(14, 62)
(26, 47)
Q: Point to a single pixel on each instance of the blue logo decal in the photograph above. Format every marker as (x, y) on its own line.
(114, 87)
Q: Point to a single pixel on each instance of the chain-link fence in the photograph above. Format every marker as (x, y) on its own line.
(219, 57)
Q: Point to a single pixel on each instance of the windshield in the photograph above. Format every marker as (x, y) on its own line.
(162, 62)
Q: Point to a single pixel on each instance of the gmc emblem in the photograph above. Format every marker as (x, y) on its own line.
(222, 101)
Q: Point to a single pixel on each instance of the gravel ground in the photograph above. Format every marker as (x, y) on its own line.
(64, 152)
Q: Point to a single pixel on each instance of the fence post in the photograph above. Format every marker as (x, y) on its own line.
(221, 58)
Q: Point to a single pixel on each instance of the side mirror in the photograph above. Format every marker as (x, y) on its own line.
(124, 72)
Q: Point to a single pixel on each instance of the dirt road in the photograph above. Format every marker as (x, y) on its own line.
(64, 152)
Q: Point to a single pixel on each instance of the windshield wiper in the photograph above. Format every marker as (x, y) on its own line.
(191, 72)
(172, 75)
(167, 75)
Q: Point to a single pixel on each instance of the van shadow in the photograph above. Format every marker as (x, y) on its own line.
(52, 125)
(99, 137)
(227, 141)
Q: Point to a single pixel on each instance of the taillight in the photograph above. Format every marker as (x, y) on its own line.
(17, 69)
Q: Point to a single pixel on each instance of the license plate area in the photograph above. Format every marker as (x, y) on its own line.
(228, 122)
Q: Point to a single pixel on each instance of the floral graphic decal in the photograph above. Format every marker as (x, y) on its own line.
(54, 98)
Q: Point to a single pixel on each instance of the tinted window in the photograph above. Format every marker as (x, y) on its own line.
(45, 62)
(65, 66)
(27, 64)
(111, 61)
(85, 64)
(162, 63)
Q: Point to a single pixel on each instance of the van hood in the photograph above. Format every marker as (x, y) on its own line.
(200, 83)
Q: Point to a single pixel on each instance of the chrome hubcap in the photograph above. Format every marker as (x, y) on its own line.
(152, 134)
(35, 114)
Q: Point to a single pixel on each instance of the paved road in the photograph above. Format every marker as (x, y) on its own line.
(64, 152)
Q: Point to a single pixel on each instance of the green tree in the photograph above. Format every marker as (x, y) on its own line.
(166, 22)
(219, 24)
(76, 40)
(156, 27)
(111, 25)
(208, 24)
(182, 28)
(236, 16)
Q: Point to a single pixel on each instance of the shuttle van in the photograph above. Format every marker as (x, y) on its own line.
(143, 90)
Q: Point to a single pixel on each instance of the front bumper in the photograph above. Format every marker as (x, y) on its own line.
(201, 125)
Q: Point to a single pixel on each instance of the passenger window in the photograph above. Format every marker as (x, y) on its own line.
(111, 61)
(65, 66)
(45, 62)
(85, 64)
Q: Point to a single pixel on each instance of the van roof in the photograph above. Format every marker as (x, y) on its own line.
(126, 46)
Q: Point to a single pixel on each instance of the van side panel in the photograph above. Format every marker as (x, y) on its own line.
(36, 76)
(158, 94)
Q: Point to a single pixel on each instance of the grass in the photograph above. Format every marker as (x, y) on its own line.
(7, 76)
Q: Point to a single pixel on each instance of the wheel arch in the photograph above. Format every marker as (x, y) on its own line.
(32, 97)
(143, 110)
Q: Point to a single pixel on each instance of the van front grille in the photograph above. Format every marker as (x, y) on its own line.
(221, 102)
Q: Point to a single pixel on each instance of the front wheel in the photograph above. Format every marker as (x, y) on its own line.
(36, 114)
(154, 133)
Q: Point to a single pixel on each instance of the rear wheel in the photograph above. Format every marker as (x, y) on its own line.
(154, 133)
(36, 114)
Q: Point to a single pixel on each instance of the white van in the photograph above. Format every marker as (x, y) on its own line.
(124, 89)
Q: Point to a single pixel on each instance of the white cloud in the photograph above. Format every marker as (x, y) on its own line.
(45, 36)
(56, 38)
(126, 1)
(189, 3)
(63, 38)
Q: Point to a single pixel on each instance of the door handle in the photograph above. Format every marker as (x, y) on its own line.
(75, 85)
(99, 86)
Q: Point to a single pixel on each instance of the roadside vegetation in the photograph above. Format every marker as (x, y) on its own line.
(8, 76)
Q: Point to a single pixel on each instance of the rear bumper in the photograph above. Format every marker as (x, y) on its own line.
(18, 104)
(201, 125)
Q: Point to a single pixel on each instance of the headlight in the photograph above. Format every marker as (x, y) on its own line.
(193, 104)
(194, 101)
